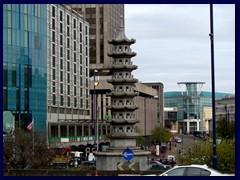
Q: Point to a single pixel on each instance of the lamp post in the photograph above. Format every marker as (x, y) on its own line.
(145, 124)
(213, 90)
(94, 106)
(182, 135)
(97, 129)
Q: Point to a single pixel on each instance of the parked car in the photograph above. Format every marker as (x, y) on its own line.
(89, 163)
(177, 139)
(76, 161)
(158, 165)
(192, 170)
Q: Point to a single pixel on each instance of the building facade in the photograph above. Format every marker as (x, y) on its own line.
(225, 108)
(170, 118)
(25, 63)
(159, 87)
(104, 21)
(68, 75)
(187, 120)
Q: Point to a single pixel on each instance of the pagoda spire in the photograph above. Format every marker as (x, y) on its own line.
(121, 33)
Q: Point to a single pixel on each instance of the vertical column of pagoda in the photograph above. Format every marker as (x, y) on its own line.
(122, 105)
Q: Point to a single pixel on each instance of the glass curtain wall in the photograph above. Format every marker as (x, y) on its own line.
(25, 63)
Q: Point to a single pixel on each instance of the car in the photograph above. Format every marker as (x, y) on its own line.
(76, 161)
(192, 170)
(177, 139)
(89, 163)
(158, 165)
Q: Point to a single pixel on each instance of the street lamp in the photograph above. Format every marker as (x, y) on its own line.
(94, 105)
(215, 163)
(145, 124)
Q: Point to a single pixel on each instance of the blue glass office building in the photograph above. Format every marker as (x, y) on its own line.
(25, 63)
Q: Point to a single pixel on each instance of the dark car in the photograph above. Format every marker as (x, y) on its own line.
(76, 161)
(197, 133)
(89, 163)
(154, 165)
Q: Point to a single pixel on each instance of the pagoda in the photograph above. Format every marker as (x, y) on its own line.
(122, 135)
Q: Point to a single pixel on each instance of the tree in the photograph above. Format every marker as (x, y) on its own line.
(225, 129)
(201, 152)
(21, 152)
(161, 135)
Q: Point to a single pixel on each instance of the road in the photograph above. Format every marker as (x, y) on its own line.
(186, 141)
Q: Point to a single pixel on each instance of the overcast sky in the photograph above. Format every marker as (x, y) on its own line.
(173, 44)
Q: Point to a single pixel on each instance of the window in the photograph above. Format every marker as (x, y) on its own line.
(61, 88)
(53, 11)
(61, 76)
(61, 39)
(61, 15)
(68, 22)
(75, 57)
(68, 43)
(68, 77)
(74, 35)
(14, 75)
(27, 76)
(69, 101)
(68, 66)
(80, 26)
(74, 45)
(53, 23)
(75, 91)
(177, 172)
(53, 48)
(61, 51)
(80, 48)
(80, 81)
(53, 61)
(75, 68)
(68, 33)
(61, 28)
(68, 54)
(61, 100)
(80, 36)
(53, 87)
(53, 36)
(54, 99)
(61, 64)
(68, 89)
(74, 23)
(75, 102)
(75, 80)
(53, 74)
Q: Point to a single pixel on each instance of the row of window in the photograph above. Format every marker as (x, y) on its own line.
(68, 21)
(81, 130)
(69, 102)
(70, 90)
(68, 79)
(61, 41)
(74, 69)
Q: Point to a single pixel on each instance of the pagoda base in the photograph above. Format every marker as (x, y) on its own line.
(112, 160)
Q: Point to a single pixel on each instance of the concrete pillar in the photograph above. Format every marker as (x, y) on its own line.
(82, 129)
(198, 125)
(188, 126)
(67, 130)
(75, 130)
(59, 131)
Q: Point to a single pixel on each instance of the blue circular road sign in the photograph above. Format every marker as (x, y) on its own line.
(127, 154)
